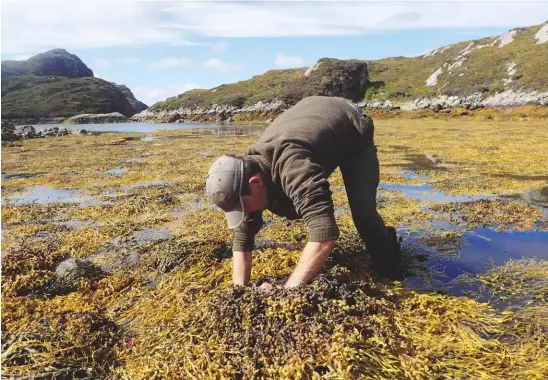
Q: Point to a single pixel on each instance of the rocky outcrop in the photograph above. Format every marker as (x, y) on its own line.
(53, 132)
(114, 117)
(137, 105)
(478, 100)
(329, 77)
(57, 62)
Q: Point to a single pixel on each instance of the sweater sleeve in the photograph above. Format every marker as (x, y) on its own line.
(305, 183)
(244, 236)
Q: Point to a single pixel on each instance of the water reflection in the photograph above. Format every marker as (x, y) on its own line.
(231, 130)
(429, 193)
(476, 252)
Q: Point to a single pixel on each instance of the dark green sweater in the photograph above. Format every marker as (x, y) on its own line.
(297, 154)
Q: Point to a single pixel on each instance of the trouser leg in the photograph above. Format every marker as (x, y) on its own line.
(361, 179)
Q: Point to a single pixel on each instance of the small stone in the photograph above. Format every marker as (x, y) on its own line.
(73, 269)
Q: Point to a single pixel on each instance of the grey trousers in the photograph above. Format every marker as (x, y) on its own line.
(361, 179)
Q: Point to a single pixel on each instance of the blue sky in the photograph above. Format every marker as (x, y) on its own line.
(162, 48)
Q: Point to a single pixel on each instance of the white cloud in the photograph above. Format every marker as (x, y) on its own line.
(220, 47)
(128, 60)
(171, 62)
(79, 24)
(289, 61)
(43, 25)
(102, 62)
(332, 18)
(221, 67)
(153, 94)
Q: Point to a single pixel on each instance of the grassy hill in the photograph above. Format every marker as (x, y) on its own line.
(514, 61)
(466, 67)
(58, 84)
(30, 96)
(331, 77)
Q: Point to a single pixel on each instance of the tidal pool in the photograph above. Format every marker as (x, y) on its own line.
(116, 171)
(429, 193)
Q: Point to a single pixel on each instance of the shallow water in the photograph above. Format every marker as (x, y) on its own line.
(123, 127)
(429, 193)
(45, 195)
(226, 129)
(8, 176)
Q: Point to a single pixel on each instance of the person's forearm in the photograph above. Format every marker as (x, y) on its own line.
(241, 268)
(312, 260)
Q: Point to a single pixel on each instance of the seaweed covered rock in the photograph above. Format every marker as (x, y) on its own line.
(269, 331)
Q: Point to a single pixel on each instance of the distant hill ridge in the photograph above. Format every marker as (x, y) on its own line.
(57, 84)
(505, 70)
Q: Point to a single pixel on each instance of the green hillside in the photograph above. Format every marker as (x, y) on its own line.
(332, 77)
(58, 84)
(467, 67)
(30, 96)
(514, 61)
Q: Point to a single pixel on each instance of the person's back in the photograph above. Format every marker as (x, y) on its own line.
(332, 129)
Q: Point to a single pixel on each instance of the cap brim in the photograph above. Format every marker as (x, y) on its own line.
(236, 216)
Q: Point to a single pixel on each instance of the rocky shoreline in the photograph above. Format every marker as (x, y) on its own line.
(503, 103)
(216, 114)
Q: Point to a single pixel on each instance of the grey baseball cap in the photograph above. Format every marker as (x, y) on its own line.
(224, 186)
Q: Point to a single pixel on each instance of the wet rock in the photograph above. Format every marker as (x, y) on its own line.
(54, 132)
(83, 132)
(27, 132)
(71, 270)
(9, 132)
(386, 105)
